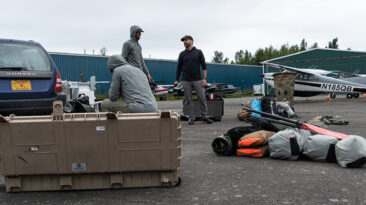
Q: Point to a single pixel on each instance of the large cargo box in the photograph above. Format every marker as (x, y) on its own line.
(89, 150)
(215, 108)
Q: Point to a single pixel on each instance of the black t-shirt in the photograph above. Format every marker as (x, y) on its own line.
(189, 63)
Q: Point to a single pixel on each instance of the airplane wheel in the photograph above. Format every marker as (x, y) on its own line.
(333, 95)
(349, 95)
(356, 95)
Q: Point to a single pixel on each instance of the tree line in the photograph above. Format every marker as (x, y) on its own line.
(262, 54)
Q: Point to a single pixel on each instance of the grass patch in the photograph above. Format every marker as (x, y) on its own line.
(239, 94)
(101, 96)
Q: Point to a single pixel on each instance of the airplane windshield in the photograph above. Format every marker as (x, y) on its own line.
(305, 76)
(312, 77)
(298, 76)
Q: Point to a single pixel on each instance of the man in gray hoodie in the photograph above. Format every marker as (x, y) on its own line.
(131, 84)
(132, 50)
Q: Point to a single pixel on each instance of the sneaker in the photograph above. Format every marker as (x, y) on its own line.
(206, 120)
(190, 121)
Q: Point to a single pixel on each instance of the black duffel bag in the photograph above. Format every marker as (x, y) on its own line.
(79, 105)
(268, 104)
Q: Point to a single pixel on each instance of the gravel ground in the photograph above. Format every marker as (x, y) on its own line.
(209, 179)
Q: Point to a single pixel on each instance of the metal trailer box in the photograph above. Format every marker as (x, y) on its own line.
(89, 150)
(215, 108)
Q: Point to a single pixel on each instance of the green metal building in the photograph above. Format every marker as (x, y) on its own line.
(163, 71)
(322, 58)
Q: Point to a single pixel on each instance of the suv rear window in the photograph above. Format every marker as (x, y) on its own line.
(18, 56)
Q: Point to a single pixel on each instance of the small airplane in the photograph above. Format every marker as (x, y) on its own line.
(311, 82)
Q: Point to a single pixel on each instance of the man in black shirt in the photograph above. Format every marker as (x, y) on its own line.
(189, 63)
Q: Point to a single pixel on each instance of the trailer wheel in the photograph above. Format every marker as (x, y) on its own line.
(179, 182)
(333, 95)
(356, 95)
(349, 95)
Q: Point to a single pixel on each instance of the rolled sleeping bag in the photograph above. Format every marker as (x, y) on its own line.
(223, 146)
(255, 139)
(320, 148)
(243, 114)
(351, 152)
(253, 152)
(287, 144)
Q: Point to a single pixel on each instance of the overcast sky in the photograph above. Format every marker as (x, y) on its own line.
(227, 26)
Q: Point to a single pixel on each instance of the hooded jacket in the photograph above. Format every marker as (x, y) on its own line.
(130, 83)
(132, 50)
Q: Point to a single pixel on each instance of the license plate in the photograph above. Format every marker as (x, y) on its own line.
(21, 85)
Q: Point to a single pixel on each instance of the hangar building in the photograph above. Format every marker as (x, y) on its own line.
(163, 71)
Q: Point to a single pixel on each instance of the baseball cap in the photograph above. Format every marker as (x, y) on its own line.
(186, 37)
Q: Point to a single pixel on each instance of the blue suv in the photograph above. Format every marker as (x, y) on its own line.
(29, 79)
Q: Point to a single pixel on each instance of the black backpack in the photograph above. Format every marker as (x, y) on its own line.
(268, 104)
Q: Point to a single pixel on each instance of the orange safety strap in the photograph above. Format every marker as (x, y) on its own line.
(252, 142)
(250, 152)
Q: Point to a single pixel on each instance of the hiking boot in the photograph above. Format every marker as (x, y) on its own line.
(190, 121)
(206, 120)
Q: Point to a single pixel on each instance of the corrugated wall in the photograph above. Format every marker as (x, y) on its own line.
(163, 71)
(327, 59)
(70, 67)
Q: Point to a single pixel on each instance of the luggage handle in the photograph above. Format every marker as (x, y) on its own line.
(116, 180)
(66, 182)
(15, 183)
(111, 116)
(165, 114)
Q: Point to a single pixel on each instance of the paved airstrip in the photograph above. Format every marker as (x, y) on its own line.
(209, 179)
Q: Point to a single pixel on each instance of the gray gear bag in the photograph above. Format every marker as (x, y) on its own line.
(287, 144)
(351, 152)
(320, 148)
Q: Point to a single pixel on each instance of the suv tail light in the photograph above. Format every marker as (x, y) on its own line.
(58, 87)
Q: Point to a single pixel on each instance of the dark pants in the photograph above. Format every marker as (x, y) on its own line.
(200, 92)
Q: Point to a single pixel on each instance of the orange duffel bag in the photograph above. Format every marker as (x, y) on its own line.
(255, 139)
(253, 152)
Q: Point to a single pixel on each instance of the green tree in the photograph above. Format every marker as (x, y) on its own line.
(333, 44)
(315, 45)
(262, 54)
(239, 57)
(259, 56)
(284, 50)
(294, 49)
(219, 58)
(303, 45)
(248, 59)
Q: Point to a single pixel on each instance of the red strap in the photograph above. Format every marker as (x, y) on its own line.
(319, 130)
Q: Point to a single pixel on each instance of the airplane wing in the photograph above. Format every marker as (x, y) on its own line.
(288, 68)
